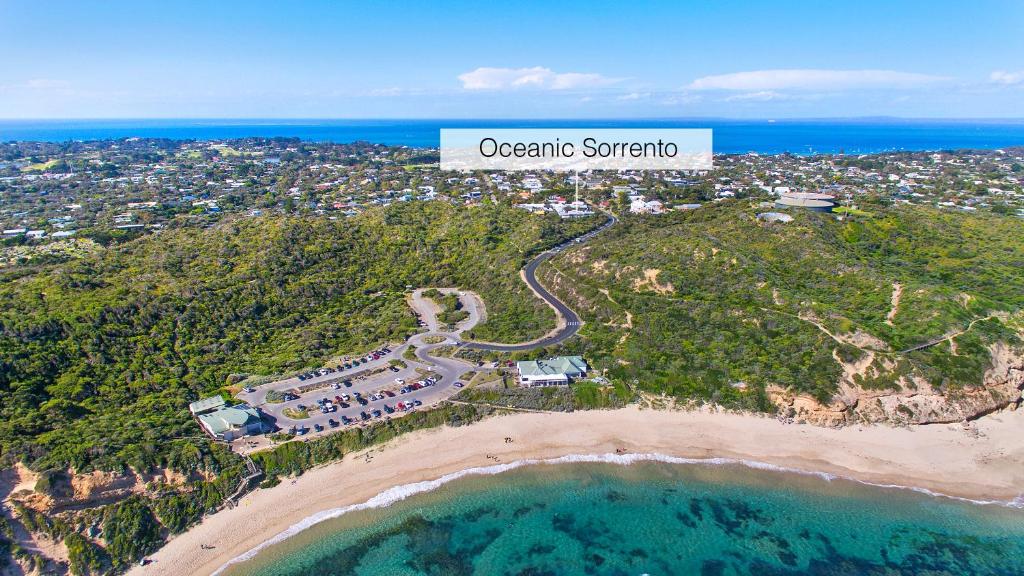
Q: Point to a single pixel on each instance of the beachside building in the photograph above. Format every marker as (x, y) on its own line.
(226, 422)
(558, 371)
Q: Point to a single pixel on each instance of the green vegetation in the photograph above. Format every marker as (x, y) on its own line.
(451, 312)
(85, 557)
(101, 355)
(552, 399)
(297, 457)
(694, 303)
(578, 396)
(590, 395)
(130, 530)
(295, 413)
(851, 211)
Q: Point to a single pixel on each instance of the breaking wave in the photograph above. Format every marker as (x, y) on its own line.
(403, 491)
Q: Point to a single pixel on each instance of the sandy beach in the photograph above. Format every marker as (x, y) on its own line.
(986, 463)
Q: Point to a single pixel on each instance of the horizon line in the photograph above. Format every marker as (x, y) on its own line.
(516, 119)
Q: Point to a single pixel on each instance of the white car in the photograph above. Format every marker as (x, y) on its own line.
(399, 381)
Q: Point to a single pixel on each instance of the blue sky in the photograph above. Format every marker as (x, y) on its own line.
(513, 59)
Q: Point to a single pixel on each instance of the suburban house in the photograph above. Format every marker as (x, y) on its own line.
(576, 209)
(557, 371)
(226, 422)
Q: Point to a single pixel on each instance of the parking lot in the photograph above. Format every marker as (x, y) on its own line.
(366, 391)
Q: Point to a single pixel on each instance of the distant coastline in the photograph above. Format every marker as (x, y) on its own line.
(731, 136)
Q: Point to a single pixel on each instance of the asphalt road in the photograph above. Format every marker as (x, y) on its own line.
(448, 370)
(572, 320)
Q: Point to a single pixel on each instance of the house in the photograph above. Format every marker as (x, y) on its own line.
(578, 209)
(557, 371)
(640, 206)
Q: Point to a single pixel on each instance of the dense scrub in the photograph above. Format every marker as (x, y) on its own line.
(99, 357)
(715, 304)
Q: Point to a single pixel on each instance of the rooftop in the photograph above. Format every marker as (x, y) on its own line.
(228, 418)
(803, 202)
(206, 405)
(571, 365)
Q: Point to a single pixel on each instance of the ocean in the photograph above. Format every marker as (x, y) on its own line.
(853, 136)
(658, 518)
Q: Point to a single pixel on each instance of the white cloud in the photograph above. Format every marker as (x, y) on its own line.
(634, 96)
(769, 80)
(537, 77)
(759, 96)
(682, 98)
(1004, 77)
(45, 84)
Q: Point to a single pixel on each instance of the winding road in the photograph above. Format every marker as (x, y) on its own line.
(374, 376)
(571, 319)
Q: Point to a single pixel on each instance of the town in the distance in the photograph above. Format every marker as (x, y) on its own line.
(119, 188)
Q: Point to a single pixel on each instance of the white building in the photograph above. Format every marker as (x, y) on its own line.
(558, 371)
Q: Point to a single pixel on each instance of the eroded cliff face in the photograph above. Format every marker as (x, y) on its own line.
(916, 401)
(75, 491)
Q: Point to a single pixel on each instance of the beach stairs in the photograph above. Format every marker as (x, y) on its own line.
(245, 485)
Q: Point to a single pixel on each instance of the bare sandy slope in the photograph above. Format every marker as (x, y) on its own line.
(985, 464)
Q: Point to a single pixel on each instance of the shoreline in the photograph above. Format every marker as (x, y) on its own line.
(940, 460)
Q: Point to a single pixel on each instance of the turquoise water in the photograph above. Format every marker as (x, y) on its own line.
(656, 518)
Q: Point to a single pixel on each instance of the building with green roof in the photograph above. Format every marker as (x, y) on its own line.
(557, 371)
(232, 422)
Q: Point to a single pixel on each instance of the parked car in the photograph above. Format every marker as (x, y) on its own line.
(248, 389)
(376, 413)
(459, 384)
(318, 427)
(332, 423)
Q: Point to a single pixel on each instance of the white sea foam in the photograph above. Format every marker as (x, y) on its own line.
(401, 492)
